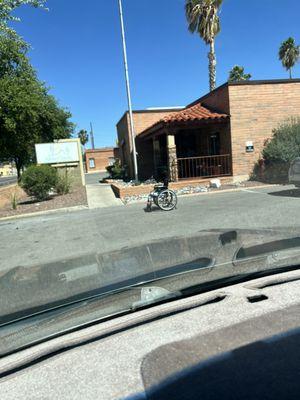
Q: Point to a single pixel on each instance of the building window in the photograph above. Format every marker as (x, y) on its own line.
(92, 162)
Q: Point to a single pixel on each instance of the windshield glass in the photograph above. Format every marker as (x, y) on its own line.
(129, 176)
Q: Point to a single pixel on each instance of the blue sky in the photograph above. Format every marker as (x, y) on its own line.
(77, 52)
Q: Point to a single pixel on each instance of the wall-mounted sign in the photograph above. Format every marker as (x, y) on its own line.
(249, 146)
(57, 153)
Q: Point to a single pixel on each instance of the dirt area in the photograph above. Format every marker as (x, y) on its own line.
(28, 205)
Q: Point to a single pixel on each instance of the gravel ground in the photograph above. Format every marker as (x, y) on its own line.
(27, 205)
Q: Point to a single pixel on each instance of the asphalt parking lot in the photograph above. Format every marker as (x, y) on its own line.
(39, 239)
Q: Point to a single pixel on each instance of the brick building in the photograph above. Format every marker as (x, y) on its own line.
(142, 120)
(97, 160)
(220, 134)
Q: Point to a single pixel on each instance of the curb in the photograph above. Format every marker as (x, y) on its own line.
(230, 190)
(39, 213)
(213, 192)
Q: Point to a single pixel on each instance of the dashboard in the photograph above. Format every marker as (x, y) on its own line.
(239, 342)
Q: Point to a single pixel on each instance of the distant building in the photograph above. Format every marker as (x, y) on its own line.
(7, 169)
(97, 160)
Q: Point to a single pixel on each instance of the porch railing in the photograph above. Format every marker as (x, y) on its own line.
(208, 166)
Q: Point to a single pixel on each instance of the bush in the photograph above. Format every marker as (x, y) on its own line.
(38, 180)
(284, 146)
(63, 184)
(14, 201)
(116, 171)
(279, 151)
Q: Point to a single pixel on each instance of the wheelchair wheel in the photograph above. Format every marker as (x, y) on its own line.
(167, 200)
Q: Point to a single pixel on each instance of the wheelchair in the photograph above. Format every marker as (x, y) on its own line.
(163, 197)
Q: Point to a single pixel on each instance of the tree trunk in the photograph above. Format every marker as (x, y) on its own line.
(18, 166)
(212, 66)
(290, 73)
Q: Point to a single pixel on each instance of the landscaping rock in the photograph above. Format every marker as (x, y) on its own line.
(215, 183)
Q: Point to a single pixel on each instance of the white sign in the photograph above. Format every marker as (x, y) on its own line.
(56, 153)
(249, 146)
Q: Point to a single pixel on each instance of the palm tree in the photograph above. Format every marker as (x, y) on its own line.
(83, 136)
(289, 54)
(203, 18)
(237, 73)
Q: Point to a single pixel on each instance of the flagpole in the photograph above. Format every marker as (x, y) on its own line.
(132, 130)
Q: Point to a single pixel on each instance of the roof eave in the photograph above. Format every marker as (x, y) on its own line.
(164, 125)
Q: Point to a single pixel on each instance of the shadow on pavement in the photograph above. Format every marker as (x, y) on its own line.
(286, 193)
(155, 209)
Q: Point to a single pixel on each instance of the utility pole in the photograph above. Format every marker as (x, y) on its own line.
(92, 137)
(135, 166)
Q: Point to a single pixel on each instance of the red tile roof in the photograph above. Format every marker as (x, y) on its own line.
(193, 113)
(196, 112)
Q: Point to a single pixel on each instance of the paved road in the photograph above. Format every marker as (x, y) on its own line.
(7, 180)
(94, 177)
(41, 239)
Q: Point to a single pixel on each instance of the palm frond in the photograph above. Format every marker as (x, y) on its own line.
(202, 17)
(289, 53)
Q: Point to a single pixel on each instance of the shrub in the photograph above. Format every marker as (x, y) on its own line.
(279, 151)
(63, 184)
(14, 201)
(284, 146)
(38, 180)
(116, 171)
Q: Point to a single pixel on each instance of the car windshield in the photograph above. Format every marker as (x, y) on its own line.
(131, 173)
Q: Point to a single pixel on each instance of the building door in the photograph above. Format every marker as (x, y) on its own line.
(214, 144)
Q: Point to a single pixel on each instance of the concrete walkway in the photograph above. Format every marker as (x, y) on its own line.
(100, 195)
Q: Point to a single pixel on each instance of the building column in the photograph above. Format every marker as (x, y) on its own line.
(172, 158)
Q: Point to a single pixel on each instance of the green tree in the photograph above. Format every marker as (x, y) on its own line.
(54, 120)
(83, 136)
(13, 56)
(203, 18)
(7, 9)
(289, 54)
(28, 114)
(237, 73)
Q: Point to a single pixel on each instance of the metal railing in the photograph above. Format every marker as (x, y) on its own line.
(206, 167)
